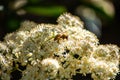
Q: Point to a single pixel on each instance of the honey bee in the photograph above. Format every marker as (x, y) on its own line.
(58, 37)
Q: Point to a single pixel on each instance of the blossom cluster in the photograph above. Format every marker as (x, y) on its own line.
(56, 52)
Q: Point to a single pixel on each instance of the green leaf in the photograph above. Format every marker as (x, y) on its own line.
(49, 11)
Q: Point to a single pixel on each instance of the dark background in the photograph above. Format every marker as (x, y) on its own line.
(47, 11)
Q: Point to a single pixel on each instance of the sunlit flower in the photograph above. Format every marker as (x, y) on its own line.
(57, 52)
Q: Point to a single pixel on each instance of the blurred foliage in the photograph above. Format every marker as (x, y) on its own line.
(15, 11)
(46, 11)
(101, 7)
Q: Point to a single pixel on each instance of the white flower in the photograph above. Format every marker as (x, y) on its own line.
(50, 61)
(57, 52)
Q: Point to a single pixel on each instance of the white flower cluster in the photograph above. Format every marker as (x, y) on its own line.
(56, 52)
